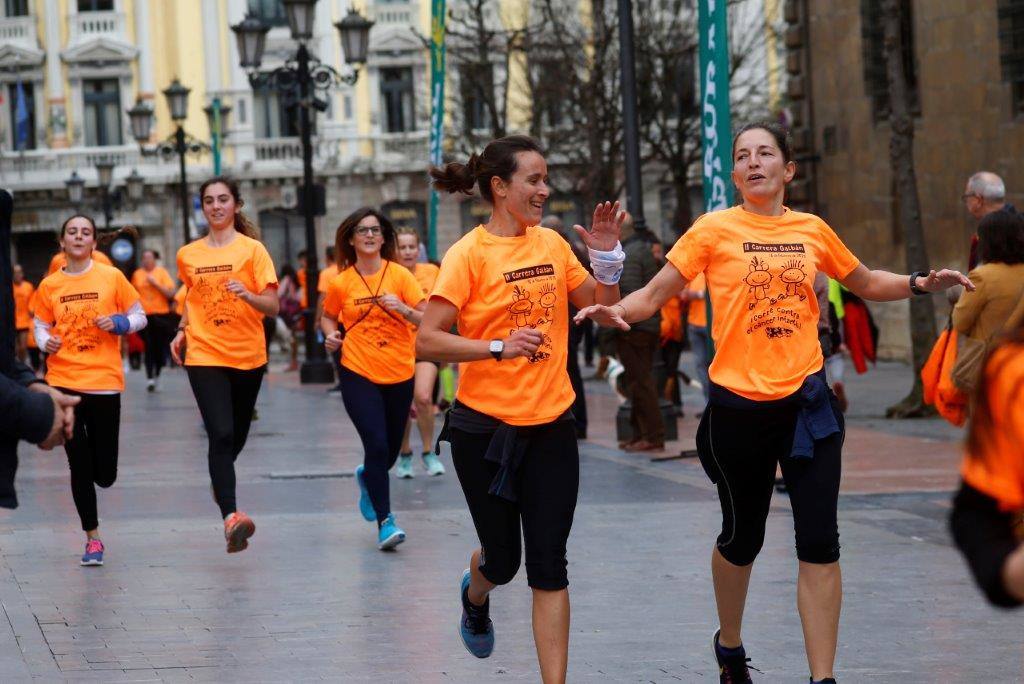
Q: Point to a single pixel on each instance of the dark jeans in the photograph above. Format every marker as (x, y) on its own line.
(379, 413)
(157, 336)
(226, 399)
(92, 451)
(636, 352)
(739, 449)
(549, 482)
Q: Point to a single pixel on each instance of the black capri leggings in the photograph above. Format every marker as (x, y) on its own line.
(226, 398)
(157, 336)
(984, 534)
(92, 451)
(739, 448)
(549, 481)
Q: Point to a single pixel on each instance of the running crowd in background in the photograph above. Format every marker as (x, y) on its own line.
(513, 304)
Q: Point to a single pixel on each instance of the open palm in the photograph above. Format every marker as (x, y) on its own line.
(605, 228)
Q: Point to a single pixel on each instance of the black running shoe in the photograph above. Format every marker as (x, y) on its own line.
(732, 669)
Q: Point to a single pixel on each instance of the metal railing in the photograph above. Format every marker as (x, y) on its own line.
(86, 25)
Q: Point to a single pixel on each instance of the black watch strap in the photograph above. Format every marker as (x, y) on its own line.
(913, 282)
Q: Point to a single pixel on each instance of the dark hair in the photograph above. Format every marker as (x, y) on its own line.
(498, 159)
(1001, 238)
(346, 228)
(302, 254)
(777, 131)
(289, 271)
(242, 223)
(156, 254)
(102, 237)
(329, 252)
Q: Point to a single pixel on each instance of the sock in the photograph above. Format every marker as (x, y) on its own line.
(472, 608)
(826, 680)
(729, 652)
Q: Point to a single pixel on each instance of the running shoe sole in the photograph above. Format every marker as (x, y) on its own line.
(238, 539)
(91, 563)
(392, 541)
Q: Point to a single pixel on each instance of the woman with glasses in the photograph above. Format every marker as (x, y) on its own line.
(367, 312)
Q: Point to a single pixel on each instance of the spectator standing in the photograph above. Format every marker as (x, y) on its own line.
(985, 193)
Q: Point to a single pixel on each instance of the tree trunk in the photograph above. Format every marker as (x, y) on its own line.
(901, 160)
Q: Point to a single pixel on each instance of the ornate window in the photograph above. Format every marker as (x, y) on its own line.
(1011, 49)
(102, 99)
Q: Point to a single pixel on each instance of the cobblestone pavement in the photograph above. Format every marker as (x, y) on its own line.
(313, 598)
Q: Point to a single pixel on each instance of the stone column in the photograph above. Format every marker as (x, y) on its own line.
(143, 43)
(55, 100)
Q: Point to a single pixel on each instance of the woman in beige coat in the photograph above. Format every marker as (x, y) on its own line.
(999, 279)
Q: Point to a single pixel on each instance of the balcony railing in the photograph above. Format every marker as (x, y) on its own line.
(89, 25)
(19, 31)
(68, 159)
(389, 13)
(412, 145)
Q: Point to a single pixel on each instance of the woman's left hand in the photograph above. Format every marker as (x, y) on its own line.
(238, 289)
(937, 281)
(105, 323)
(605, 228)
(393, 303)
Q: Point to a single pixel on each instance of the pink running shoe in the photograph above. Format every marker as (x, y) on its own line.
(93, 552)
(238, 527)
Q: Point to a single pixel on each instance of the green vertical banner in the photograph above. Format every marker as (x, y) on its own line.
(716, 117)
(215, 136)
(437, 75)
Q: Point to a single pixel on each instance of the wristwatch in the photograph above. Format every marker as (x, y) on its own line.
(496, 348)
(913, 282)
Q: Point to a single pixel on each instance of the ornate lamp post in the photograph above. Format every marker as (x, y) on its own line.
(298, 82)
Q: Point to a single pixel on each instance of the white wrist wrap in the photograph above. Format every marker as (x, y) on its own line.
(607, 266)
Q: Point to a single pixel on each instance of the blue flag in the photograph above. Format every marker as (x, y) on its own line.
(21, 119)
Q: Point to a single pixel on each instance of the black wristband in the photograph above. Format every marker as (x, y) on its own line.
(913, 282)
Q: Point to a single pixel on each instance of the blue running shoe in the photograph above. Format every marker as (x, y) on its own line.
(93, 553)
(390, 534)
(475, 628)
(365, 505)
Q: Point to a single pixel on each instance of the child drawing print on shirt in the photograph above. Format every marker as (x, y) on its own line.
(548, 299)
(220, 305)
(758, 278)
(520, 308)
(79, 326)
(792, 276)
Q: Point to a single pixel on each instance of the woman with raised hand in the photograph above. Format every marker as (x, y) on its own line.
(508, 284)
(81, 312)
(374, 300)
(230, 286)
(768, 400)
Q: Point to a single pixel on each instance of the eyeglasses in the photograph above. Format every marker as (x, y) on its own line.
(368, 230)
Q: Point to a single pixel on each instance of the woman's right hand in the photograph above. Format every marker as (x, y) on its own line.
(176, 344)
(53, 344)
(523, 342)
(333, 341)
(606, 316)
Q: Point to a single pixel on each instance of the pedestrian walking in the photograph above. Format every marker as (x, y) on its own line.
(23, 291)
(230, 287)
(156, 290)
(507, 284)
(374, 300)
(289, 312)
(425, 382)
(81, 313)
(769, 403)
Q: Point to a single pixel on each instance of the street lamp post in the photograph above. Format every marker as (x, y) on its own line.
(630, 121)
(298, 81)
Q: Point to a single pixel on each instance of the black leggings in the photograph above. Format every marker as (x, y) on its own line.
(379, 413)
(984, 534)
(739, 449)
(92, 451)
(157, 336)
(549, 481)
(226, 398)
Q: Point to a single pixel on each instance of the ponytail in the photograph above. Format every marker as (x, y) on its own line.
(107, 236)
(498, 159)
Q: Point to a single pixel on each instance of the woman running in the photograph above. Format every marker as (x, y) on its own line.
(231, 286)
(768, 399)
(81, 311)
(23, 291)
(156, 288)
(374, 300)
(426, 371)
(508, 285)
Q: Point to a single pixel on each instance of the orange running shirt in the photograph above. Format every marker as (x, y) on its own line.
(999, 470)
(697, 313)
(379, 345)
(503, 284)
(303, 299)
(222, 329)
(326, 276)
(179, 300)
(89, 359)
(672, 321)
(22, 296)
(60, 260)
(153, 300)
(760, 271)
(32, 313)
(426, 276)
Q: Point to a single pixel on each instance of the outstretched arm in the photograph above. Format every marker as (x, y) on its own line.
(639, 305)
(883, 286)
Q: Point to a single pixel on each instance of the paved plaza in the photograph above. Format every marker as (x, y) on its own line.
(314, 599)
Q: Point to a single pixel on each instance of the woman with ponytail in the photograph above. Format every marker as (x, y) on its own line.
(231, 285)
(81, 312)
(508, 285)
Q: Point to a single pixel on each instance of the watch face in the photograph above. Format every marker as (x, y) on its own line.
(497, 346)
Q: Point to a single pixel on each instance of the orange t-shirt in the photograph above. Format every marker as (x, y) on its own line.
(22, 297)
(303, 299)
(426, 276)
(379, 345)
(222, 329)
(760, 271)
(179, 300)
(32, 313)
(503, 284)
(60, 260)
(326, 276)
(672, 321)
(697, 313)
(89, 359)
(153, 300)
(999, 470)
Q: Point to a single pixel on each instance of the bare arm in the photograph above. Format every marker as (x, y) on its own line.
(435, 342)
(265, 302)
(883, 286)
(1013, 573)
(639, 305)
(592, 292)
(412, 314)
